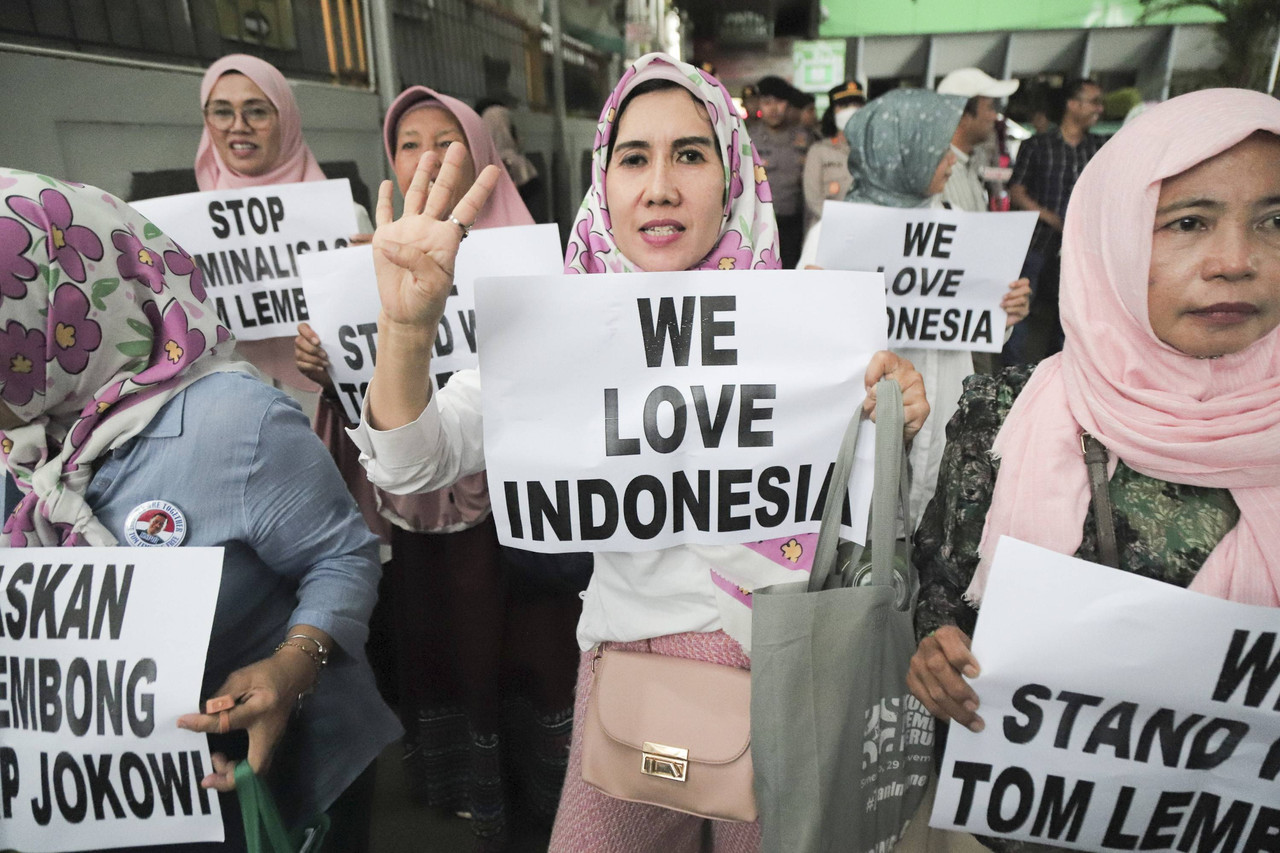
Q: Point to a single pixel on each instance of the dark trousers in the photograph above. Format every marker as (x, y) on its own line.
(790, 239)
(1039, 335)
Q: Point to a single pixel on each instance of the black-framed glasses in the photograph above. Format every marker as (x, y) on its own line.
(223, 116)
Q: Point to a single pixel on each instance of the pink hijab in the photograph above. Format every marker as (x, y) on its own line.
(297, 163)
(504, 207)
(1212, 423)
(273, 356)
(466, 502)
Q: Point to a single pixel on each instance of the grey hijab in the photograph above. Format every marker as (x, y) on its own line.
(895, 143)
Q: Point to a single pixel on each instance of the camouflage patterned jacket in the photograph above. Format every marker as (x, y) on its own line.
(1163, 530)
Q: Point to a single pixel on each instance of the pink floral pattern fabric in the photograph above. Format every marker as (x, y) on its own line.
(68, 244)
(89, 351)
(138, 263)
(748, 231)
(16, 269)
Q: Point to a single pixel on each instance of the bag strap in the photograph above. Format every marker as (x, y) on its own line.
(1096, 458)
(259, 814)
(892, 483)
(890, 478)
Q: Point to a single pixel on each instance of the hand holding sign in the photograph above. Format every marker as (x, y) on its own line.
(1016, 304)
(935, 677)
(311, 359)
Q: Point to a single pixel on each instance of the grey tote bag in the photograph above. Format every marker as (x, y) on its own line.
(842, 751)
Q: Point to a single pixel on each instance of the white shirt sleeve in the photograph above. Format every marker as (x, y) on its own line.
(445, 443)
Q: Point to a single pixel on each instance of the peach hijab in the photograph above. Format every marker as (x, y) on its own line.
(504, 207)
(273, 356)
(297, 163)
(1203, 422)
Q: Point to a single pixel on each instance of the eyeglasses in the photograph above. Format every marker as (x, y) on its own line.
(257, 116)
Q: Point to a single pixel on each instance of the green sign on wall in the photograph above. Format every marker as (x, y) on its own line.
(819, 64)
(846, 18)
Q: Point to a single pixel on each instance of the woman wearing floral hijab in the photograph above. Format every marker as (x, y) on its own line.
(114, 381)
(675, 185)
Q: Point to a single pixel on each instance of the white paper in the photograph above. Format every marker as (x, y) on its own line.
(1126, 652)
(342, 295)
(568, 378)
(945, 271)
(247, 244)
(74, 775)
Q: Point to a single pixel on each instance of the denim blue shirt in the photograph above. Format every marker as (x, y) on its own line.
(240, 462)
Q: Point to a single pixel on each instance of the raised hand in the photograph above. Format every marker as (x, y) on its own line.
(414, 255)
(414, 260)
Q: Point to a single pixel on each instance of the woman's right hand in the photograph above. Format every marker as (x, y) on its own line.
(311, 359)
(935, 677)
(414, 255)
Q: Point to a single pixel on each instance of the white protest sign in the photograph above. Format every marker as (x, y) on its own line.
(247, 242)
(633, 412)
(104, 649)
(1121, 714)
(342, 296)
(945, 271)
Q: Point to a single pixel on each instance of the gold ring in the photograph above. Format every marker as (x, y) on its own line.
(224, 722)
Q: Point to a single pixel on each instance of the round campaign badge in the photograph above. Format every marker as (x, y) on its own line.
(155, 524)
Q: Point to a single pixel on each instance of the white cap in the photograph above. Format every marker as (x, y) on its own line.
(975, 83)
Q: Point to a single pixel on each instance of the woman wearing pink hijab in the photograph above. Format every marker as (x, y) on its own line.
(253, 137)
(462, 625)
(1170, 302)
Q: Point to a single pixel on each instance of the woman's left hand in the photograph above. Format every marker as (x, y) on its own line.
(265, 694)
(1017, 302)
(888, 365)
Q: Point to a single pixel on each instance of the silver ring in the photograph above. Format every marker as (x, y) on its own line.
(466, 229)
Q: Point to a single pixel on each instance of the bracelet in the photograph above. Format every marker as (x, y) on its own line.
(317, 659)
(321, 649)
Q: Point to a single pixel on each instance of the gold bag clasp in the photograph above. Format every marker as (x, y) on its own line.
(665, 762)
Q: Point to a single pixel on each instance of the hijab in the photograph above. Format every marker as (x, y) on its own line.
(1202, 422)
(103, 319)
(895, 144)
(748, 231)
(504, 207)
(274, 356)
(748, 240)
(297, 163)
(466, 501)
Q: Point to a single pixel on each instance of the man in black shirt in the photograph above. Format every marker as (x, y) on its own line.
(1047, 168)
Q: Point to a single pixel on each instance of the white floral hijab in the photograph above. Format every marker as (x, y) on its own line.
(103, 319)
(748, 232)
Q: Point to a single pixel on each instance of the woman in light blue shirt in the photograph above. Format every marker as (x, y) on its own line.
(125, 420)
